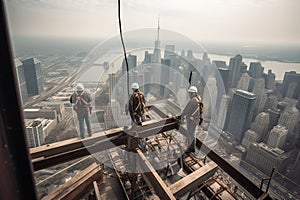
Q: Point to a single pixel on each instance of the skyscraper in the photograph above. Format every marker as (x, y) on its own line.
(210, 98)
(132, 62)
(33, 76)
(271, 102)
(157, 52)
(165, 72)
(250, 138)
(270, 80)
(244, 82)
(261, 95)
(224, 72)
(277, 137)
(261, 124)
(241, 113)
(235, 68)
(169, 50)
(112, 84)
(223, 112)
(291, 85)
(290, 118)
(21, 80)
(256, 70)
(35, 134)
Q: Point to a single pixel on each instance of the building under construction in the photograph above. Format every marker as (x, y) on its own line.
(135, 162)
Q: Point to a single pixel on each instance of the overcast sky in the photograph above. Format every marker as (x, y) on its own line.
(272, 21)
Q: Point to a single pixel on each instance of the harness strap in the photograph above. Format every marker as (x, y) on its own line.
(140, 102)
(198, 99)
(82, 99)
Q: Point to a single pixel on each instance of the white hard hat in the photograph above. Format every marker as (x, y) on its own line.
(135, 86)
(79, 87)
(193, 89)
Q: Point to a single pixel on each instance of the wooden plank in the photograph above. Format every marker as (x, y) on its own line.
(191, 181)
(97, 192)
(157, 183)
(78, 185)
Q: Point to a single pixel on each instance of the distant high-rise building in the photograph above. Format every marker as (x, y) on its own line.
(244, 82)
(274, 114)
(21, 80)
(256, 70)
(261, 124)
(235, 68)
(182, 54)
(266, 158)
(35, 134)
(147, 58)
(261, 95)
(271, 102)
(291, 85)
(33, 76)
(165, 73)
(210, 98)
(250, 138)
(290, 118)
(112, 84)
(169, 50)
(223, 112)
(190, 54)
(277, 137)
(132, 62)
(224, 72)
(157, 51)
(220, 64)
(270, 80)
(205, 59)
(241, 113)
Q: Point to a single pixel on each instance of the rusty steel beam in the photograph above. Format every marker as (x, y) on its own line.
(78, 185)
(45, 162)
(225, 166)
(57, 153)
(160, 188)
(193, 180)
(71, 144)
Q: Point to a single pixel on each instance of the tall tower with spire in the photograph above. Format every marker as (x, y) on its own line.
(157, 53)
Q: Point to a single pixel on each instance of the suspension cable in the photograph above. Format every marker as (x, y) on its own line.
(123, 45)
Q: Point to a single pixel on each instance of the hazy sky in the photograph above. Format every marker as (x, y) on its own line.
(274, 21)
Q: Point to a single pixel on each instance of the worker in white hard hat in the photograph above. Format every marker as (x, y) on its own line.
(136, 105)
(193, 114)
(82, 105)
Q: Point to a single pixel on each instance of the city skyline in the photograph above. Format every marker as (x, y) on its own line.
(249, 21)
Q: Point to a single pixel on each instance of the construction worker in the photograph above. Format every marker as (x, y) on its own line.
(193, 113)
(82, 105)
(136, 105)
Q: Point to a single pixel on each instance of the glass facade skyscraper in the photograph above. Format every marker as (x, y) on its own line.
(241, 113)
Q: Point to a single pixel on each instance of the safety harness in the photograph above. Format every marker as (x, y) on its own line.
(139, 96)
(81, 99)
(200, 106)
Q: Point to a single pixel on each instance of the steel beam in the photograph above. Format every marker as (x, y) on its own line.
(191, 181)
(60, 152)
(225, 166)
(149, 173)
